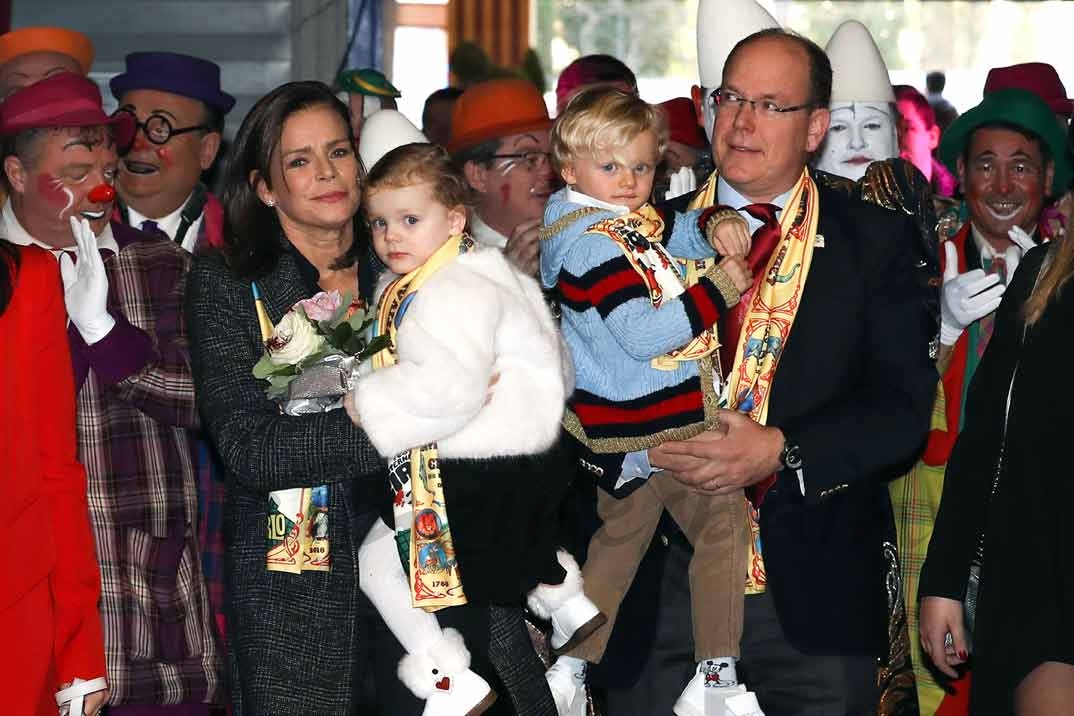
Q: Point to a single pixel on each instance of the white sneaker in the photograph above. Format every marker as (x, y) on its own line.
(743, 705)
(463, 694)
(697, 699)
(566, 681)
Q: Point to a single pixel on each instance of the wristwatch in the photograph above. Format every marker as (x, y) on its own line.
(790, 456)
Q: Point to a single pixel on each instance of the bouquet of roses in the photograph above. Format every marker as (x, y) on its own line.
(311, 358)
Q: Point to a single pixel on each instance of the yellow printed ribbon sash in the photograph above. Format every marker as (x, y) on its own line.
(297, 529)
(421, 518)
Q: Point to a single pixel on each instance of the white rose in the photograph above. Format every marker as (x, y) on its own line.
(293, 340)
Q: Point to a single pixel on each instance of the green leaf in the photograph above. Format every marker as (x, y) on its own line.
(278, 385)
(353, 345)
(340, 335)
(265, 368)
(339, 315)
(359, 320)
(374, 346)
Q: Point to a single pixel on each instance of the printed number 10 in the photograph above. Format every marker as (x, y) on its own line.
(277, 526)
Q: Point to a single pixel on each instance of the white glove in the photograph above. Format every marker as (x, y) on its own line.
(965, 297)
(681, 182)
(1021, 239)
(1013, 256)
(85, 286)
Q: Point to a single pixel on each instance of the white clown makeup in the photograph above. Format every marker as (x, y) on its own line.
(860, 133)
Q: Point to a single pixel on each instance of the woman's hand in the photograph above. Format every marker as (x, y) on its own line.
(939, 617)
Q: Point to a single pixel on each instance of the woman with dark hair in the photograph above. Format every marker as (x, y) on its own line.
(292, 188)
(48, 604)
(1006, 497)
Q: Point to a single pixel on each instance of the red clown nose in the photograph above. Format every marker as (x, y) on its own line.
(102, 194)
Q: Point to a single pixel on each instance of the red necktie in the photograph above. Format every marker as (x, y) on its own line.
(765, 239)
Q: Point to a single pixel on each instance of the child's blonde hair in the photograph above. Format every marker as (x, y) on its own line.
(602, 118)
(418, 163)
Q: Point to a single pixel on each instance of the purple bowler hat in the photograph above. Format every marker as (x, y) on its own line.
(175, 73)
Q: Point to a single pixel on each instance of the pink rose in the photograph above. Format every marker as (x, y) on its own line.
(322, 306)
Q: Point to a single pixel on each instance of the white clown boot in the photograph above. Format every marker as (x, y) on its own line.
(442, 677)
(573, 616)
(708, 695)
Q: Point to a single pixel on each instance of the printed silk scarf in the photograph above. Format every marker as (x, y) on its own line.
(768, 323)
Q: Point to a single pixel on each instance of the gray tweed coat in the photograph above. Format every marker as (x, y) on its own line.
(293, 638)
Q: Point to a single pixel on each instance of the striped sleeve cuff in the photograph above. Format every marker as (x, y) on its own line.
(705, 302)
(711, 219)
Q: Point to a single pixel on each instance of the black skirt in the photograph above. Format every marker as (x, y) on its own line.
(504, 516)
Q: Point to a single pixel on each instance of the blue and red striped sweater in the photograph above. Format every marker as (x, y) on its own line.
(621, 402)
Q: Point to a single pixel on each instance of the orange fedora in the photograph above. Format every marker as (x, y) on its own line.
(494, 109)
(47, 39)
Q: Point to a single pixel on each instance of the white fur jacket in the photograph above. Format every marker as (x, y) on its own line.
(482, 369)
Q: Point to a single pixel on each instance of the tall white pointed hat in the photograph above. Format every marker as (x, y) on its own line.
(382, 132)
(721, 24)
(858, 70)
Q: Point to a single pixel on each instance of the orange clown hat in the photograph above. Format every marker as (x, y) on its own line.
(47, 39)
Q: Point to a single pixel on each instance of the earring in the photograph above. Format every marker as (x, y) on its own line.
(270, 203)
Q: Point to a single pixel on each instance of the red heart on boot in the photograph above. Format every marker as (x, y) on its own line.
(444, 684)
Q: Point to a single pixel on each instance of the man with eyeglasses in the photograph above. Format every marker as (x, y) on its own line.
(499, 138)
(179, 107)
(829, 391)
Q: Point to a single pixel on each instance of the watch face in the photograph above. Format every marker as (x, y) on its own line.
(792, 457)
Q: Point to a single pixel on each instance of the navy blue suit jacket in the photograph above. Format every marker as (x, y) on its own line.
(854, 390)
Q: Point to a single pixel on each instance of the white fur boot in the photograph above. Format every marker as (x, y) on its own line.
(573, 616)
(442, 677)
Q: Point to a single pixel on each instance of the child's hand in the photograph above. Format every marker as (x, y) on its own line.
(728, 233)
(350, 404)
(738, 271)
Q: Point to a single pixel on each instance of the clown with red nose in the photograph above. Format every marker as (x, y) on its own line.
(123, 291)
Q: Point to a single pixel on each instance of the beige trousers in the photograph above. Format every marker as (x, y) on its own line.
(716, 527)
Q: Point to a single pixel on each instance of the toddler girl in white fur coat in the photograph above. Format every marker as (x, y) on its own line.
(471, 388)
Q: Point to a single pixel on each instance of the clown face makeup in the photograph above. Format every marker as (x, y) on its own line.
(860, 134)
(514, 188)
(1005, 180)
(71, 175)
(156, 179)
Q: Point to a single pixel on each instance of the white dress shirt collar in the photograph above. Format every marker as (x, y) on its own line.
(485, 234)
(577, 197)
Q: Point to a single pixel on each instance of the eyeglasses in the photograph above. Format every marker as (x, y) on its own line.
(726, 99)
(158, 129)
(533, 160)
